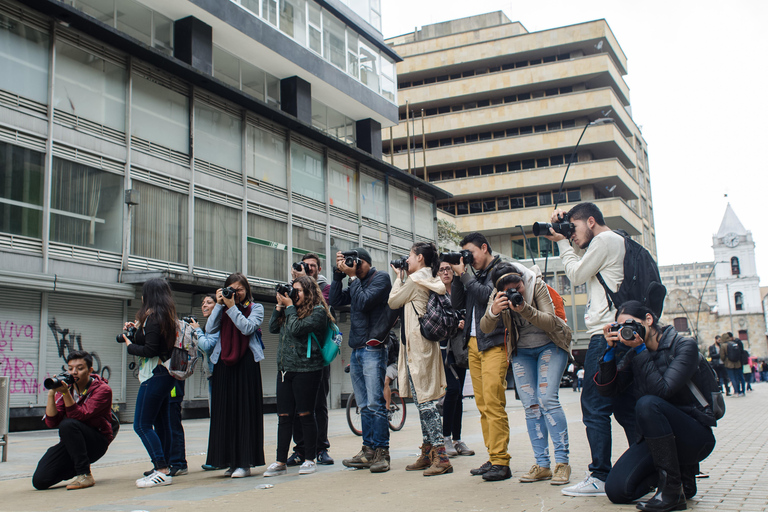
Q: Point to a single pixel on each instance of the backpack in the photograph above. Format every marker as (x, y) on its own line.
(439, 321)
(733, 351)
(184, 355)
(705, 388)
(330, 347)
(641, 282)
(559, 303)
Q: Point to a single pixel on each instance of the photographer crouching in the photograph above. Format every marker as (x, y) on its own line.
(79, 404)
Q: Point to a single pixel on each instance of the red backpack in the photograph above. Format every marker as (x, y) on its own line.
(558, 302)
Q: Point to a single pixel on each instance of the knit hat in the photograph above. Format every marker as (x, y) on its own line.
(363, 254)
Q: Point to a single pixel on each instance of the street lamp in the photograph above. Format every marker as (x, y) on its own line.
(701, 298)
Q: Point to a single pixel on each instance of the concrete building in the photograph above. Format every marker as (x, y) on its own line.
(695, 278)
(184, 139)
(495, 112)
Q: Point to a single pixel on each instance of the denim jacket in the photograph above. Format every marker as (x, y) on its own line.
(206, 343)
(248, 326)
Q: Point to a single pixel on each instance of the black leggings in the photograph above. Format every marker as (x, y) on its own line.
(634, 474)
(296, 394)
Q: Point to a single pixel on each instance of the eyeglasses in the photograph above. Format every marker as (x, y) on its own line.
(444, 270)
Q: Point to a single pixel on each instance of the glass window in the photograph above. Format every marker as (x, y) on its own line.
(218, 137)
(253, 80)
(267, 248)
(545, 198)
(307, 240)
(135, 20)
(265, 156)
(21, 191)
(24, 60)
(293, 20)
(102, 10)
(342, 186)
(503, 203)
(86, 206)
(580, 312)
(373, 203)
(400, 208)
(251, 5)
(319, 115)
(353, 67)
(315, 28)
(217, 236)
(518, 249)
(337, 124)
(226, 67)
(378, 258)
(388, 88)
(273, 90)
(334, 44)
(425, 218)
(516, 202)
(340, 244)
(307, 176)
(564, 285)
(89, 87)
(163, 33)
(369, 66)
(574, 195)
(160, 115)
(531, 201)
(269, 11)
(166, 240)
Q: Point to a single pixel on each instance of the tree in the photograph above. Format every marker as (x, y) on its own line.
(448, 236)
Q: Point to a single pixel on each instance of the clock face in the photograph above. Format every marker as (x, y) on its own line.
(731, 240)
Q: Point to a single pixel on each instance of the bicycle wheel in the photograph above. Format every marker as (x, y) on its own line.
(354, 419)
(396, 413)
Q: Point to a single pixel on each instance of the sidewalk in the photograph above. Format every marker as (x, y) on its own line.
(736, 465)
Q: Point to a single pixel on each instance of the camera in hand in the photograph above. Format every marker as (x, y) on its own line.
(189, 319)
(300, 265)
(454, 258)
(402, 263)
(130, 333)
(628, 329)
(565, 227)
(58, 380)
(287, 289)
(350, 258)
(514, 297)
(228, 292)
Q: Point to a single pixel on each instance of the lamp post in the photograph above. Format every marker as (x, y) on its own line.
(701, 298)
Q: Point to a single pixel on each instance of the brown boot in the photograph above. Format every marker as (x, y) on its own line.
(424, 460)
(440, 463)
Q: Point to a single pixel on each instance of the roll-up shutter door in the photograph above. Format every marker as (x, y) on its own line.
(132, 379)
(269, 364)
(196, 386)
(20, 344)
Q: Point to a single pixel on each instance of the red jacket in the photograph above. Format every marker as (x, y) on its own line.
(93, 408)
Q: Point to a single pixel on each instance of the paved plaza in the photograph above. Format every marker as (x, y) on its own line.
(735, 468)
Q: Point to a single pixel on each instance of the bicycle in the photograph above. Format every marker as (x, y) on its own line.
(395, 415)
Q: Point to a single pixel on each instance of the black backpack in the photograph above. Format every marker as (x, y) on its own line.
(733, 351)
(642, 281)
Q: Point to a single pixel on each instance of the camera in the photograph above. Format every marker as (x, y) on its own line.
(628, 329)
(300, 265)
(402, 263)
(454, 258)
(350, 258)
(565, 227)
(228, 292)
(58, 380)
(287, 289)
(514, 297)
(130, 333)
(189, 319)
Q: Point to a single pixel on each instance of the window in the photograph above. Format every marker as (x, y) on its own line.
(342, 186)
(307, 240)
(24, 60)
(217, 236)
(160, 115)
(400, 208)
(738, 300)
(743, 335)
(269, 11)
(564, 285)
(735, 269)
(307, 176)
(425, 218)
(86, 206)
(372, 198)
(518, 249)
(265, 156)
(334, 43)
(226, 67)
(369, 66)
(353, 67)
(267, 248)
(292, 20)
(681, 324)
(218, 137)
(21, 191)
(159, 224)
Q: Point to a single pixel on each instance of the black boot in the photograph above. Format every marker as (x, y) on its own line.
(669, 495)
(688, 474)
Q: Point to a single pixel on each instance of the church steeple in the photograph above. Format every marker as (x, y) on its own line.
(730, 223)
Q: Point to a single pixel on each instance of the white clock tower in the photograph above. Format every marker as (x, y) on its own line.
(736, 279)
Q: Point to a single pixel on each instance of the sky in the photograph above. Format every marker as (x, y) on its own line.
(696, 79)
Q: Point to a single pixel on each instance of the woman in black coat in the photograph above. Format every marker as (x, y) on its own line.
(676, 429)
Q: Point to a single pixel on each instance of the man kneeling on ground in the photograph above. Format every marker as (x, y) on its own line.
(82, 412)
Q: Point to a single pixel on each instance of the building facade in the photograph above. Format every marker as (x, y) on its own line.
(187, 140)
(492, 114)
(695, 278)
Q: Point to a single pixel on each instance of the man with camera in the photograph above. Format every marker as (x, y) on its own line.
(487, 356)
(598, 250)
(80, 405)
(310, 266)
(367, 295)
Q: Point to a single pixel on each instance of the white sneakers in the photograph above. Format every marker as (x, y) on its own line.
(155, 479)
(276, 469)
(241, 472)
(590, 486)
(307, 467)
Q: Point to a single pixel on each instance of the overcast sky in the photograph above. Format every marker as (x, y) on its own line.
(697, 78)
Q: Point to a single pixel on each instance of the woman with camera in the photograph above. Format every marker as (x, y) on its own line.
(420, 361)
(236, 437)
(663, 368)
(153, 340)
(538, 347)
(301, 319)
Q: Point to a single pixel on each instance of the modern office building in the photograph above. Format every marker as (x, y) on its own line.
(185, 139)
(696, 278)
(493, 115)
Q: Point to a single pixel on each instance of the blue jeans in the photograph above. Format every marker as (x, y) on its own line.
(737, 379)
(537, 374)
(596, 412)
(367, 367)
(153, 408)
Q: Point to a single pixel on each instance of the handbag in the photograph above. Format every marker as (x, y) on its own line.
(330, 347)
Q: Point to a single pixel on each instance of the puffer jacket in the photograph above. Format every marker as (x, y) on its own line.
(664, 372)
(294, 336)
(367, 298)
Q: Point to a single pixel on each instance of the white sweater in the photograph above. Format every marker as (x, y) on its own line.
(605, 254)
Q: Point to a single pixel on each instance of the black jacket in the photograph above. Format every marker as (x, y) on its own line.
(367, 298)
(472, 293)
(149, 342)
(664, 372)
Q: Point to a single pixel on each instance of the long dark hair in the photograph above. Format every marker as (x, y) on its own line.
(157, 301)
(237, 277)
(313, 296)
(638, 310)
(429, 251)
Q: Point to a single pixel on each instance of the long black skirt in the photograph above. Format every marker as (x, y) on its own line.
(236, 436)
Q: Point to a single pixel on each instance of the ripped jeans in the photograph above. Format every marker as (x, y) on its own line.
(537, 374)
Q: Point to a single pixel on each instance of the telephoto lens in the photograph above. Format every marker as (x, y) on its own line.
(402, 263)
(58, 380)
(130, 333)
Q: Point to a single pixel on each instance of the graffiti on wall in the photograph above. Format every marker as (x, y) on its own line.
(22, 373)
(69, 341)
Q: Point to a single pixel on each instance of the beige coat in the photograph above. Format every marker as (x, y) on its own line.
(424, 358)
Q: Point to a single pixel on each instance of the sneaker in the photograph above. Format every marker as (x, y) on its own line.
(481, 470)
(380, 462)
(536, 474)
(155, 479)
(590, 486)
(208, 467)
(450, 449)
(307, 467)
(276, 469)
(241, 473)
(178, 471)
(228, 473)
(462, 448)
(81, 482)
(324, 458)
(362, 460)
(562, 474)
(295, 459)
(497, 473)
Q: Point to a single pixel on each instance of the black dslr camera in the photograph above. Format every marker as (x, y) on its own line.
(454, 258)
(514, 297)
(350, 258)
(189, 319)
(287, 289)
(58, 380)
(228, 292)
(300, 265)
(130, 333)
(565, 227)
(402, 263)
(628, 329)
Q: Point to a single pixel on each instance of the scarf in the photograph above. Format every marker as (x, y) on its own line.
(234, 344)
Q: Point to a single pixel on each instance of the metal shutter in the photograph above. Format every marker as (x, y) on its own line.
(20, 345)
